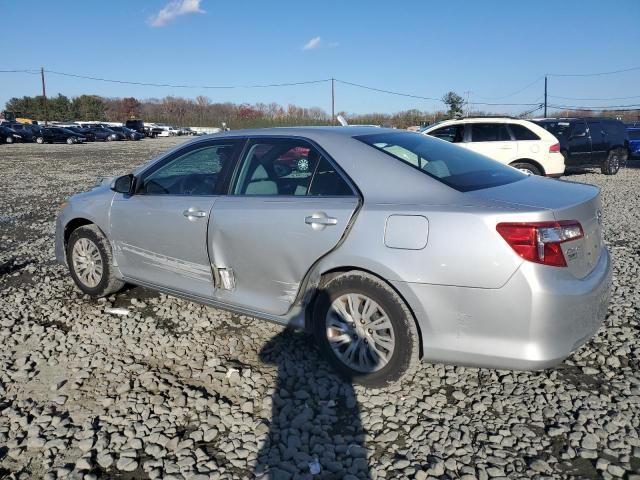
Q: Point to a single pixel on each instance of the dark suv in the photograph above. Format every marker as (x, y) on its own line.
(590, 142)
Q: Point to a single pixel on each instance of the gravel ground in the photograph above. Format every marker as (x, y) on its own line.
(177, 390)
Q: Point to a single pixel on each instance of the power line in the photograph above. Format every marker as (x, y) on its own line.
(409, 95)
(599, 99)
(517, 91)
(388, 91)
(592, 74)
(146, 84)
(609, 107)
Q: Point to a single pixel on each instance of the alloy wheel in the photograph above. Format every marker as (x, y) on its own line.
(360, 333)
(87, 262)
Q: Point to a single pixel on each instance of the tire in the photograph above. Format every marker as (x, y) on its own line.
(611, 165)
(527, 167)
(401, 332)
(9, 139)
(108, 139)
(70, 141)
(88, 246)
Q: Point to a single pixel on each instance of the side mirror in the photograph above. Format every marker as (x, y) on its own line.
(123, 184)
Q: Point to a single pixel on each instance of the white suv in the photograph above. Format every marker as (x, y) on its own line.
(519, 143)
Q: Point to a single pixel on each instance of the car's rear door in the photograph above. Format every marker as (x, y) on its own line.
(493, 140)
(288, 206)
(159, 234)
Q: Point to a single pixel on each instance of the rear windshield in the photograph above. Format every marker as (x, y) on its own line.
(452, 165)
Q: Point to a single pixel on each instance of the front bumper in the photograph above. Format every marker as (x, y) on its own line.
(538, 318)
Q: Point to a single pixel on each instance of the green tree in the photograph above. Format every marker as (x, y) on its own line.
(455, 103)
(88, 107)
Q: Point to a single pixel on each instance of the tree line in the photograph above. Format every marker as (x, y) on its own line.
(203, 112)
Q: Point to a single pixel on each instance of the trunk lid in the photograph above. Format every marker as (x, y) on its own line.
(567, 201)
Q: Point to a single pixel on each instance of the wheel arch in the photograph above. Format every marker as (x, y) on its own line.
(530, 161)
(76, 223)
(334, 271)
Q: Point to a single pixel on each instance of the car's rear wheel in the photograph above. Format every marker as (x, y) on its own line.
(69, 141)
(9, 139)
(90, 262)
(611, 165)
(526, 167)
(365, 330)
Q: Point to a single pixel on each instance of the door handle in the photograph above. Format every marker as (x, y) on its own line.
(319, 221)
(193, 213)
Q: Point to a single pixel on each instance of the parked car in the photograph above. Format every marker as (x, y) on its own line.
(9, 135)
(59, 135)
(102, 133)
(127, 133)
(148, 130)
(634, 142)
(590, 142)
(85, 132)
(431, 252)
(511, 141)
(27, 132)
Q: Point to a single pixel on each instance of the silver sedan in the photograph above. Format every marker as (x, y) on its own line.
(390, 247)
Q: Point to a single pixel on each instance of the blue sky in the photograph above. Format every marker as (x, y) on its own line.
(492, 48)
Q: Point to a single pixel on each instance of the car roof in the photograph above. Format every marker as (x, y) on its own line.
(313, 133)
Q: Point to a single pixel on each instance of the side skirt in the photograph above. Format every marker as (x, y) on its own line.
(295, 318)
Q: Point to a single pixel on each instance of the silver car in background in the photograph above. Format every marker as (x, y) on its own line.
(390, 246)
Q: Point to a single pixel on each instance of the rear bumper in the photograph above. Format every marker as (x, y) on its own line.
(538, 318)
(554, 166)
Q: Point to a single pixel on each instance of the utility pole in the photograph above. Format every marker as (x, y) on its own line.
(44, 96)
(333, 101)
(468, 92)
(545, 96)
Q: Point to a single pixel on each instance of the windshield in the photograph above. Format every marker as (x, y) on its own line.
(452, 165)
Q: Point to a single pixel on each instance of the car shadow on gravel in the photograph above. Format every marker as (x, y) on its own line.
(315, 430)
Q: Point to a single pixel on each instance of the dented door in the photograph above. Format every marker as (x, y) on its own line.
(267, 244)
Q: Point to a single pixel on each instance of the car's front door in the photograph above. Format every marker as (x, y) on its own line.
(494, 141)
(159, 233)
(599, 142)
(288, 206)
(579, 151)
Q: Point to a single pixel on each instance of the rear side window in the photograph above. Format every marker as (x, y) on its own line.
(456, 167)
(489, 132)
(634, 134)
(520, 132)
(452, 133)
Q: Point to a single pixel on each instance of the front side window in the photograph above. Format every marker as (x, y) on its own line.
(196, 172)
(579, 129)
(452, 133)
(489, 132)
(459, 168)
(286, 167)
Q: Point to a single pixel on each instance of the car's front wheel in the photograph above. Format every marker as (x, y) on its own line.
(9, 139)
(90, 262)
(365, 330)
(70, 141)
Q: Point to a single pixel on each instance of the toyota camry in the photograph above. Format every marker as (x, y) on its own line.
(390, 247)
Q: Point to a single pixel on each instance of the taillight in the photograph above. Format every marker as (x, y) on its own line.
(540, 242)
(554, 148)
